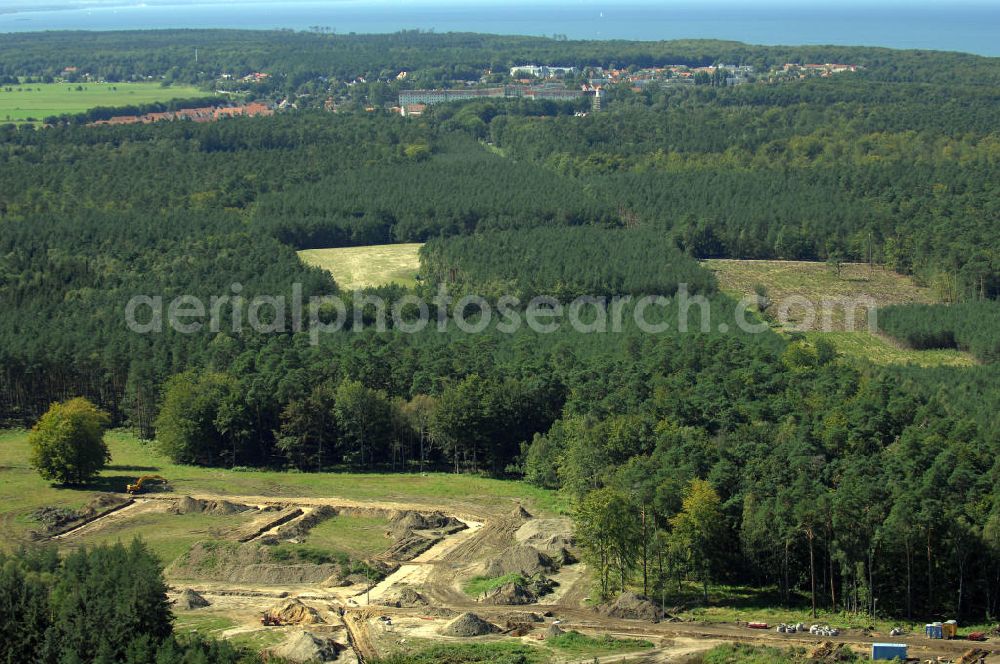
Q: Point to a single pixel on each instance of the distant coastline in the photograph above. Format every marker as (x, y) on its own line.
(970, 28)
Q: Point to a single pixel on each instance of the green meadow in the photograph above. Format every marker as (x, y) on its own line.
(36, 101)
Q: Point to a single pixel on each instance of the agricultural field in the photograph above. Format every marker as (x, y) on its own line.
(786, 281)
(362, 267)
(36, 101)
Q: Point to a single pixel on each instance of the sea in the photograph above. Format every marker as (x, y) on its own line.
(973, 27)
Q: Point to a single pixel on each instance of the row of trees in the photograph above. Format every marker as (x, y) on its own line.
(473, 424)
(971, 326)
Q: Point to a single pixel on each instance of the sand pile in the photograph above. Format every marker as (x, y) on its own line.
(294, 612)
(520, 559)
(553, 631)
(554, 537)
(404, 598)
(307, 647)
(189, 505)
(468, 624)
(230, 562)
(632, 607)
(60, 519)
(406, 522)
(510, 594)
(191, 599)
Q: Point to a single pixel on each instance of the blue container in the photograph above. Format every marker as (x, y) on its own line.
(889, 651)
(934, 631)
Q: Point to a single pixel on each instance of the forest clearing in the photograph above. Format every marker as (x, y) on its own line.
(366, 267)
(33, 102)
(816, 281)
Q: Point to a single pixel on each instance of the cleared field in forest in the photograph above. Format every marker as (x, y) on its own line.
(363, 267)
(35, 101)
(794, 281)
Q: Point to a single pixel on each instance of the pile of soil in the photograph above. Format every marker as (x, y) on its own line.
(59, 519)
(307, 647)
(553, 631)
(520, 559)
(553, 537)
(633, 607)
(189, 505)
(521, 513)
(407, 597)
(510, 594)
(406, 522)
(250, 563)
(190, 600)
(469, 624)
(517, 617)
(294, 612)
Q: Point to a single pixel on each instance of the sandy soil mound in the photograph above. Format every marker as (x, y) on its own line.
(632, 607)
(554, 537)
(249, 563)
(307, 647)
(404, 598)
(520, 559)
(521, 513)
(191, 599)
(510, 594)
(518, 617)
(59, 519)
(294, 612)
(553, 631)
(469, 624)
(404, 523)
(189, 505)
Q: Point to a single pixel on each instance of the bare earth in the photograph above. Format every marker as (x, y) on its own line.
(437, 574)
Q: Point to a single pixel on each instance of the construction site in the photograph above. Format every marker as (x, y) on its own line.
(313, 579)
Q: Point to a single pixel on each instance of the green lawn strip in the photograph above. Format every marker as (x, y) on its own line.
(495, 652)
(866, 347)
(478, 585)
(40, 100)
(581, 644)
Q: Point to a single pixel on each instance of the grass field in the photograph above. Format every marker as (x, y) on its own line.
(362, 267)
(22, 491)
(34, 102)
(882, 351)
(816, 282)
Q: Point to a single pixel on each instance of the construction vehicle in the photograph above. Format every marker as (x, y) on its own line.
(137, 486)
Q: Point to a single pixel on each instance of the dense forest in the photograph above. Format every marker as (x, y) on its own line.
(970, 326)
(59, 610)
(821, 476)
(565, 263)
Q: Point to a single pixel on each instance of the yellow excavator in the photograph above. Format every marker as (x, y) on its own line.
(137, 486)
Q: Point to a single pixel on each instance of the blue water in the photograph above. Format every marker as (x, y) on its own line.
(973, 27)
